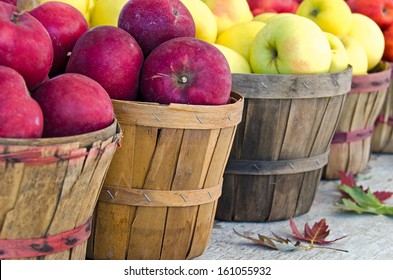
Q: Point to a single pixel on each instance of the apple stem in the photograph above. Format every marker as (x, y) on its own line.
(314, 12)
(15, 16)
(183, 80)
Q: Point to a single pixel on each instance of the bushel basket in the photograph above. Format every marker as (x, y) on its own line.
(160, 195)
(382, 139)
(351, 145)
(48, 191)
(281, 144)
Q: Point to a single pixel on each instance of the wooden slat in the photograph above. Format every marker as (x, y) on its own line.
(148, 227)
(382, 140)
(195, 156)
(206, 212)
(111, 237)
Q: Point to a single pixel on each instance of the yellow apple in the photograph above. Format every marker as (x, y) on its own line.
(240, 36)
(290, 45)
(340, 58)
(333, 16)
(279, 15)
(237, 63)
(356, 53)
(205, 22)
(229, 12)
(264, 16)
(106, 12)
(368, 33)
(82, 5)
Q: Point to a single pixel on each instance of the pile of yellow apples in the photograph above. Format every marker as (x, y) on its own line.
(323, 36)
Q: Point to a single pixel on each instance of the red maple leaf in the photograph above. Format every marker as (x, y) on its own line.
(316, 234)
(347, 179)
(350, 181)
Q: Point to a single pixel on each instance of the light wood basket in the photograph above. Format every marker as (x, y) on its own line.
(281, 144)
(382, 139)
(48, 191)
(159, 197)
(351, 146)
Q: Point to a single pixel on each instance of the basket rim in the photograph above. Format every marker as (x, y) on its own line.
(84, 139)
(180, 116)
(292, 86)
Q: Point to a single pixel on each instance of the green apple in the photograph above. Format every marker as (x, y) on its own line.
(290, 45)
(340, 58)
(370, 35)
(333, 16)
(356, 53)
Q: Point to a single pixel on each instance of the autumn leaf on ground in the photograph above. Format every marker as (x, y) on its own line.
(276, 243)
(362, 202)
(315, 234)
(350, 181)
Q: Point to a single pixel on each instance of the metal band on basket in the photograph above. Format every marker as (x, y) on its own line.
(37, 247)
(160, 198)
(278, 167)
(352, 136)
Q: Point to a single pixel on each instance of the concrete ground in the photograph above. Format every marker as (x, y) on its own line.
(369, 236)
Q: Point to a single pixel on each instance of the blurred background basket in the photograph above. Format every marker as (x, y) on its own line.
(382, 139)
(48, 191)
(351, 145)
(160, 195)
(281, 144)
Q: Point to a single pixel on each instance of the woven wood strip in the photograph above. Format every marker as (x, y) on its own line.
(178, 115)
(372, 81)
(352, 136)
(263, 86)
(158, 198)
(384, 120)
(37, 247)
(279, 167)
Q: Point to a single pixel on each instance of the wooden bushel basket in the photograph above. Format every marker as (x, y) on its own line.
(351, 145)
(281, 145)
(160, 194)
(48, 191)
(382, 139)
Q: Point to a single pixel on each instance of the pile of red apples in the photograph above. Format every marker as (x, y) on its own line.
(58, 77)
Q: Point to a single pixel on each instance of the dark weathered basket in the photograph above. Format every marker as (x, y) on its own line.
(48, 191)
(281, 144)
(160, 195)
(382, 139)
(351, 145)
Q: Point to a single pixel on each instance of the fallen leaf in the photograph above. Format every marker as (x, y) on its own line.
(361, 202)
(350, 181)
(347, 179)
(316, 234)
(276, 243)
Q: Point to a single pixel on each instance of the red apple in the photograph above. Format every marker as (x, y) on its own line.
(186, 70)
(276, 6)
(65, 24)
(388, 52)
(13, 2)
(381, 11)
(20, 115)
(73, 104)
(153, 22)
(25, 45)
(110, 56)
